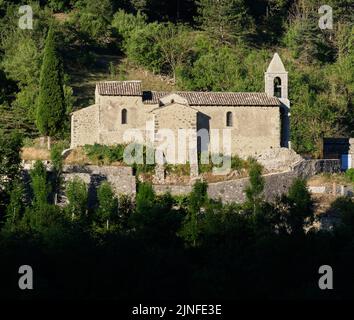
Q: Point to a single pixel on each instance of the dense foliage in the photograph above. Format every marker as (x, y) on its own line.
(202, 45)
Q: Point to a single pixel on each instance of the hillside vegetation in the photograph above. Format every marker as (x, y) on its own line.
(185, 45)
(95, 244)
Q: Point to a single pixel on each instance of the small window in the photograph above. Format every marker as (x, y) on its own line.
(124, 116)
(277, 87)
(229, 119)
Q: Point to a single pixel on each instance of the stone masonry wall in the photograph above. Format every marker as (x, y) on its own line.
(276, 184)
(233, 190)
(85, 126)
(254, 129)
(121, 179)
(309, 168)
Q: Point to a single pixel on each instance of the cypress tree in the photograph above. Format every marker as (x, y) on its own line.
(51, 106)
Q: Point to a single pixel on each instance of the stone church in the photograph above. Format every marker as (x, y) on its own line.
(258, 121)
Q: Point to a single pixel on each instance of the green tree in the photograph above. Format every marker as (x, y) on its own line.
(15, 208)
(304, 38)
(191, 228)
(217, 69)
(125, 23)
(198, 197)
(225, 20)
(51, 106)
(256, 186)
(143, 49)
(57, 163)
(93, 19)
(39, 215)
(21, 62)
(40, 186)
(77, 194)
(10, 158)
(107, 204)
(300, 212)
(59, 5)
(345, 207)
(145, 197)
(175, 42)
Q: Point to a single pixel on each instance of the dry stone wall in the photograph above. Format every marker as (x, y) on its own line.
(121, 178)
(123, 181)
(276, 184)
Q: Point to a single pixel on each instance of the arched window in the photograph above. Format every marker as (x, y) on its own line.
(229, 119)
(277, 87)
(124, 116)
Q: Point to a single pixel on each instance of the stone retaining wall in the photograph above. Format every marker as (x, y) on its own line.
(120, 178)
(276, 184)
(309, 168)
(123, 180)
(334, 190)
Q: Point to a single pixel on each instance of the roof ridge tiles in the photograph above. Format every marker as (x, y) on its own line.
(208, 98)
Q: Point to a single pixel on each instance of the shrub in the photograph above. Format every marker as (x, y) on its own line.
(350, 174)
(116, 153)
(237, 163)
(178, 169)
(97, 153)
(107, 154)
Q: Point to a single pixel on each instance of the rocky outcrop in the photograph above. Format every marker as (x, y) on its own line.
(279, 159)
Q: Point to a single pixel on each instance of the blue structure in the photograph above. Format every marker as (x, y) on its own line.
(346, 161)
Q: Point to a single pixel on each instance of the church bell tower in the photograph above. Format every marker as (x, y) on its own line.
(276, 85)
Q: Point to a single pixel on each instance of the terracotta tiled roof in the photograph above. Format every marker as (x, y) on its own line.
(133, 88)
(217, 98)
(119, 88)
